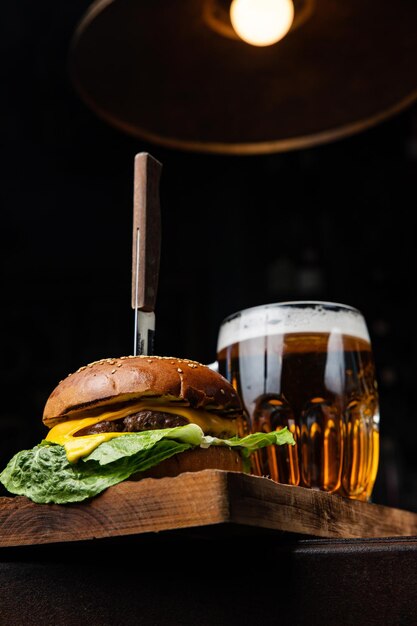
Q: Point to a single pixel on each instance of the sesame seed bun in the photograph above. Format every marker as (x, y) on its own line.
(112, 382)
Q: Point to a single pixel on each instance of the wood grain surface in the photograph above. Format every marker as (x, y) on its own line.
(196, 499)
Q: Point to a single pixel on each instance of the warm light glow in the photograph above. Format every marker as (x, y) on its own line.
(261, 22)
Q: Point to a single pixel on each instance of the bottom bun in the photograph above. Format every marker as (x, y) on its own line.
(195, 460)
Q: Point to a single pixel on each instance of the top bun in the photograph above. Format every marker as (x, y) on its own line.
(129, 378)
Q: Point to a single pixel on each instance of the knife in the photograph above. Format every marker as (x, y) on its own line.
(146, 250)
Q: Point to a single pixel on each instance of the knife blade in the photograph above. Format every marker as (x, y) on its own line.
(146, 250)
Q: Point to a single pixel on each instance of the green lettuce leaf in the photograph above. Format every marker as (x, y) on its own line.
(44, 473)
(252, 442)
(132, 443)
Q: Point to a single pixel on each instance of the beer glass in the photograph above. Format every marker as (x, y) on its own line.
(308, 366)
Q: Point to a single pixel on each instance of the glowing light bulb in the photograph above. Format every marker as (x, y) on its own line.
(261, 22)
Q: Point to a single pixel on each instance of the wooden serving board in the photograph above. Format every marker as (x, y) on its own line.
(197, 499)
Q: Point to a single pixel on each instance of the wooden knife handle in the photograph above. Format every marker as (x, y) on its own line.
(146, 218)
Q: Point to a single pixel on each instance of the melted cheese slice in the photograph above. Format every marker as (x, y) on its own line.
(78, 447)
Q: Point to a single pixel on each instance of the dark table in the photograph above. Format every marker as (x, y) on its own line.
(210, 577)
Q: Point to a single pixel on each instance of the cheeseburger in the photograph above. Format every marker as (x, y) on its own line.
(130, 418)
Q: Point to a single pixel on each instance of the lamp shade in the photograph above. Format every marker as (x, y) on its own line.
(160, 71)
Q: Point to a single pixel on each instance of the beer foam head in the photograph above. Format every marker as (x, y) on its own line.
(292, 317)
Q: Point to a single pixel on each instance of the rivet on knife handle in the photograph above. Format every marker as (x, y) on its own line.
(146, 249)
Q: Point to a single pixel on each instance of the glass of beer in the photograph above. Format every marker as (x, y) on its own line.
(308, 366)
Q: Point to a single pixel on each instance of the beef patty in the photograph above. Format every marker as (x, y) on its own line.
(143, 420)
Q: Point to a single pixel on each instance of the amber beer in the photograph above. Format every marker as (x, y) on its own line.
(308, 366)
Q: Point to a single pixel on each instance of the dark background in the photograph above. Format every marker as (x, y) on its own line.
(335, 222)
